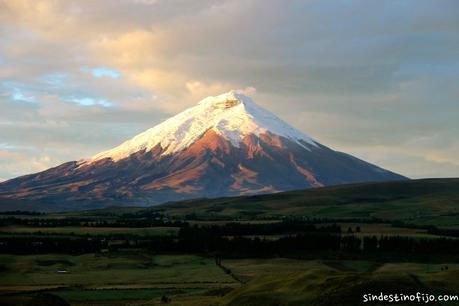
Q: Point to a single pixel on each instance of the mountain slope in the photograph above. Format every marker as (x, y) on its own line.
(226, 145)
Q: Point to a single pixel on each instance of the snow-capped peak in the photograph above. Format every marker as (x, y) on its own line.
(231, 115)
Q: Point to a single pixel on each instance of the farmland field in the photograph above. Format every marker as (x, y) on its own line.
(94, 271)
(185, 280)
(317, 247)
(148, 231)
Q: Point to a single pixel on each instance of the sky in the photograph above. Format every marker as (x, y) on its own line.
(376, 79)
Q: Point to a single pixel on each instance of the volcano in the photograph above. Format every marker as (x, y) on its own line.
(224, 146)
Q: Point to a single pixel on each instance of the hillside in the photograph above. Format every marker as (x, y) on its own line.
(425, 201)
(327, 287)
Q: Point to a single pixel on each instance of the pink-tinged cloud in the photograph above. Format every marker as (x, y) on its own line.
(77, 77)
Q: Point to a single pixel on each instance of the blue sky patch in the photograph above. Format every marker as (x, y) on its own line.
(88, 101)
(101, 72)
(16, 94)
(54, 79)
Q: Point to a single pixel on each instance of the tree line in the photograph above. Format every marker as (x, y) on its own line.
(90, 222)
(234, 240)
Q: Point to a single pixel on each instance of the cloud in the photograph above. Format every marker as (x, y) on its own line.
(77, 77)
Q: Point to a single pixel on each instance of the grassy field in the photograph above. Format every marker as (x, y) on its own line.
(423, 202)
(132, 276)
(113, 280)
(319, 286)
(365, 229)
(91, 271)
(420, 202)
(369, 229)
(194, 280)
(82, 230)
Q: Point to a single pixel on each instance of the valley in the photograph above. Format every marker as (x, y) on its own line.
(313, 247)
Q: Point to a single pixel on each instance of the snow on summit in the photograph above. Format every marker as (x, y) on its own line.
(231, 115)
(191, 156)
